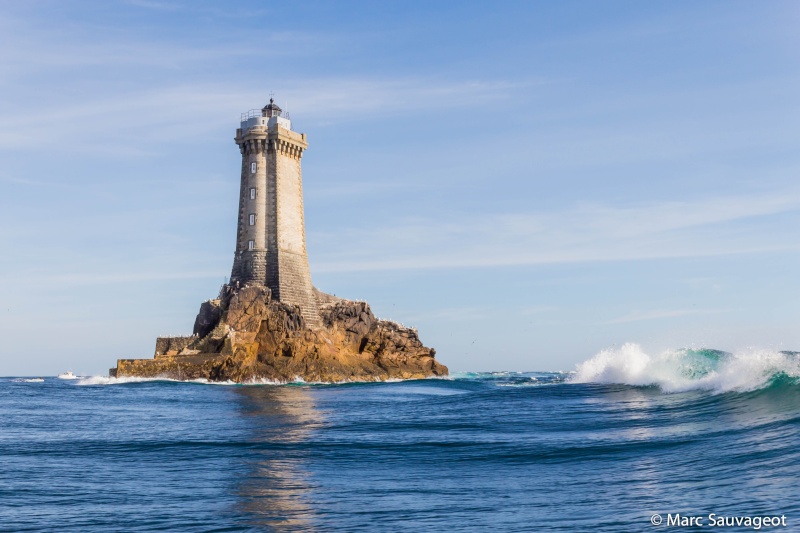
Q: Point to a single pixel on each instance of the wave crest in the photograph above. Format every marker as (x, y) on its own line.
(687, 369)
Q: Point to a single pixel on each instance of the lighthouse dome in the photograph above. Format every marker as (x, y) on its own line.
(271, 109)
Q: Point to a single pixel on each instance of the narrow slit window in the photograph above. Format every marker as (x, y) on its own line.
(253, 193)
(252, 219)
(252, 168)
(251, 245)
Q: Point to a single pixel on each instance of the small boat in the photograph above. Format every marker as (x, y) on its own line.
(67, 375)
(35, 380)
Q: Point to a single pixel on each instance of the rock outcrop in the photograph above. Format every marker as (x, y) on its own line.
(245, 336)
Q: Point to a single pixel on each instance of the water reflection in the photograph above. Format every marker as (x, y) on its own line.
(275, 491)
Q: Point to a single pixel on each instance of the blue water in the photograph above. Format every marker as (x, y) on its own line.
(480, 452)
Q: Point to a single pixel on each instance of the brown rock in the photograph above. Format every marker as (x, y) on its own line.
(256, 338)
(208, 318)
(247, 308)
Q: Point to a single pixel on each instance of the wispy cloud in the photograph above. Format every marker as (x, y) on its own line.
(697, 228)
(95, 278)
(537, 309)
(152, 4)
(656, 314)
(182, 112)
(107, 87)
(32, 47)
(363, 95)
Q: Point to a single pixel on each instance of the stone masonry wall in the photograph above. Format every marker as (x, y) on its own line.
(236, 270)
(172, 345)
(279, 259)
(295, 285)
(289, 193)
(250, 265)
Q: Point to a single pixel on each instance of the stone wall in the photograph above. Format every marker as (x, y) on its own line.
(323, 298)
(294, 285)
(289, 196)
(172, 345)
(250, 266)
(279, 259)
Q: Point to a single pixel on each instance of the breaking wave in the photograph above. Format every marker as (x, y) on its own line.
(671, 371)
(105, 380)
(690, 369)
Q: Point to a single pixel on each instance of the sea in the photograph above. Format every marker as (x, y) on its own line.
(626, 441)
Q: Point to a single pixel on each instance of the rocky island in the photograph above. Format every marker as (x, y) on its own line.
(270, 323)
(245, 335)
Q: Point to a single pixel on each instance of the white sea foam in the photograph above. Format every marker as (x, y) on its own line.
(684, 370)
(105, 380)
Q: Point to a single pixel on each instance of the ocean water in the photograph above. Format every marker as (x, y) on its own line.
(625, 436)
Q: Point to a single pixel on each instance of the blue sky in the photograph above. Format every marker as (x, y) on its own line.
(525, 182)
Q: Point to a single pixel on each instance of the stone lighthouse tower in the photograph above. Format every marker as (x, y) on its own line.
(271, 237)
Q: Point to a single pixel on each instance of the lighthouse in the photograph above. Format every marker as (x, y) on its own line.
(271, 237)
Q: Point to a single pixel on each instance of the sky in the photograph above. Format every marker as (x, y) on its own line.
(527, 183)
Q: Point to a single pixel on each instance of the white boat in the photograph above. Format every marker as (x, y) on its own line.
(67, 375)
(35, 380)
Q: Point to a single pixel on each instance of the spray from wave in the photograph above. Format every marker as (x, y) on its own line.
(687, 369)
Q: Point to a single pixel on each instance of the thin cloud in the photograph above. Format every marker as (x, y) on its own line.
(151, 4)
(93, 278)
(538, 309)
(657, 314)
(700, 228)
(510, 260)
(72, 45)
(182, 112)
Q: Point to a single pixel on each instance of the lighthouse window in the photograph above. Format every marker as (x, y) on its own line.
(251, 245)
(252, 219)
(253, 193)
(252, 168)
